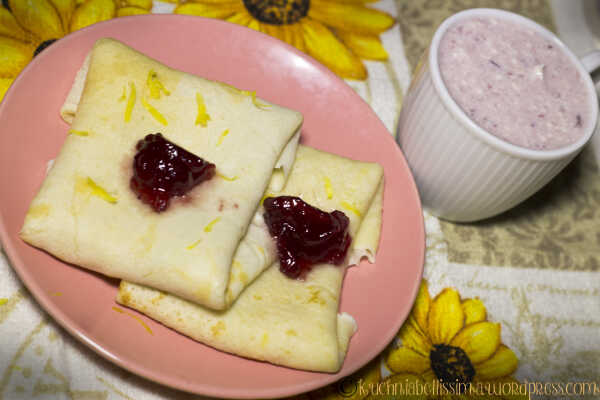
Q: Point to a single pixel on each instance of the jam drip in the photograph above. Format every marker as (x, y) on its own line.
(162, 170)
(305, 235)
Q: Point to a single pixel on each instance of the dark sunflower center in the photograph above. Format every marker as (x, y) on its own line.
(451, 365)
(43, 45)
(277, 12)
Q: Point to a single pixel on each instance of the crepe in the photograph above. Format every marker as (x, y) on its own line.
(85, 212)
(284, 321)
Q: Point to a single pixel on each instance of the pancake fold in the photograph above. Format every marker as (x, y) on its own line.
(118, 97)
(294, 323)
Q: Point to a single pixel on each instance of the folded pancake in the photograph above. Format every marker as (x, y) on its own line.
(85, 212)
(285, 321)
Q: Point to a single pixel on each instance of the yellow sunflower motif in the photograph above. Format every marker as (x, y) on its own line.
(448, 344)
(29, 26)
(338, 33)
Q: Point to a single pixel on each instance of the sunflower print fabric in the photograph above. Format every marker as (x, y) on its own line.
(449, 341)
(338, 33)
(29, 26)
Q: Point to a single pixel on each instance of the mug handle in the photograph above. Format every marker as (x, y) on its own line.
(591, 61)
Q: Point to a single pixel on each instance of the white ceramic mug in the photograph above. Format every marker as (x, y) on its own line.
(463, 172)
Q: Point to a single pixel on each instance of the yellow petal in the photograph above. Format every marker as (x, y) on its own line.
(4, 85)
(127, 11)
(292, 34)
(240, 18)
(322, 45)
(474, 311)
(413, 337)
(253, 24)
(39, 17)
(10, 27)
(479, 341)
(446, 317)
(92, 11)
(65, 9)
(422, 305)
(350, 17)
(14, 56)
(364, 46)
(221, 11)
(145, 4)
(503, 363)
(404, 359)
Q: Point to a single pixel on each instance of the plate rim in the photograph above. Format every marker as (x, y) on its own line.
(138, 369)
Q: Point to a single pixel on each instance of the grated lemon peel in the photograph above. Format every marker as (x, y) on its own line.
(328, 188)
(155, 86)
(191, 246)
(78, 133)
(250, 93)
(93, 188)
(233, 178)
(3, 301)
(154, 112)
(209, 227)
(351, 207)
(222, 137)
(135, 317)
(124, 94)
(267, 194)
(130, 102)
(203, 117)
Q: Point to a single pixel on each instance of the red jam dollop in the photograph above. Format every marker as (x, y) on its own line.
(162, 170)
(305, 235)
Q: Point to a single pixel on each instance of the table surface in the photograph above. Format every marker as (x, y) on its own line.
(519, 293)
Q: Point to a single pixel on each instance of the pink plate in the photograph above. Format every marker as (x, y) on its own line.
(31, 133)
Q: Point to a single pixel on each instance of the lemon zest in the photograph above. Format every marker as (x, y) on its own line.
(3, 301)
(154, 112)
(256, 103)
(233, 178)
(222, 137)
(124, 94)
(99, 191)
(155, 86)
(328, 188)
(250, 93)
(267, 194)
(203, 116)
(191, 246)
(130, 101)
(57, 294)
(138, 319)
(351, 207)
(79, 133)
(208, 228)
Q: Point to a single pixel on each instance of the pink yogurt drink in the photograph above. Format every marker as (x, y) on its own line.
(515, 83)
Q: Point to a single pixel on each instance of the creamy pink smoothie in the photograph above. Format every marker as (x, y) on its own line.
(514, 83)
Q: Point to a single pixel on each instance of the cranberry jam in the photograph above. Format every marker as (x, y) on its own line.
(162, 170)
(305, 235)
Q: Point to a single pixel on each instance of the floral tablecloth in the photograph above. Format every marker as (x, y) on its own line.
(510, 305)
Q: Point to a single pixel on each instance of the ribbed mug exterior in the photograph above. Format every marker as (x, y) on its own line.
(463, 172)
